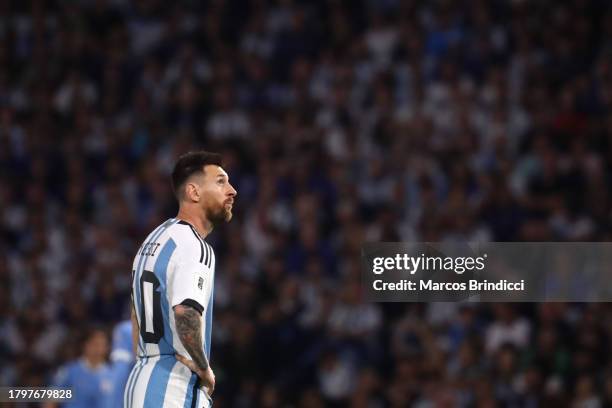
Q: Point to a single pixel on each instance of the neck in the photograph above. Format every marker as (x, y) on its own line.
(92, 362)
(200, 223)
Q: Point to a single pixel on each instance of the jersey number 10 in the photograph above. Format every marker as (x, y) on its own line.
(151, 321)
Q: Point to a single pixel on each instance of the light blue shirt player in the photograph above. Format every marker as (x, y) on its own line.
(85, 376)
(121, 363)
(173, 266)
(85, 381)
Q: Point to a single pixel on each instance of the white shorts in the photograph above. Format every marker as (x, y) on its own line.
(163, 381)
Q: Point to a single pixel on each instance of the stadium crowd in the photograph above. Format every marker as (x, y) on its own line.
(340, 122)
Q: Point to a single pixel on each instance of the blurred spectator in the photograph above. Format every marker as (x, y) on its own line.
(507, 328)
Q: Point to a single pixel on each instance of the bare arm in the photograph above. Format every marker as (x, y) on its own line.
(135, 331)
(189, 329)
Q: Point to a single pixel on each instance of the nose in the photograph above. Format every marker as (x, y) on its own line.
(232, 191)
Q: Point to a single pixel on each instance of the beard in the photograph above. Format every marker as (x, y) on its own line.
(220, 215)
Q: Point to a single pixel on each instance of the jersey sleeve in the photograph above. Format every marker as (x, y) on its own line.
(191, 281)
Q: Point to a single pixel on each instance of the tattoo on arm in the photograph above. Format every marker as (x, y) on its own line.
(189, 328)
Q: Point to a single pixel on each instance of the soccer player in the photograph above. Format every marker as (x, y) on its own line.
(85, 375)
(122, 361)
(172, 291)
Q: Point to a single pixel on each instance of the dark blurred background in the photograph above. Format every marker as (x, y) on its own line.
(340, 122)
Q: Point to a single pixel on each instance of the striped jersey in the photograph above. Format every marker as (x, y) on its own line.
(173, 266)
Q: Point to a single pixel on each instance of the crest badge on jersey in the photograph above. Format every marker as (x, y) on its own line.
(200, 283)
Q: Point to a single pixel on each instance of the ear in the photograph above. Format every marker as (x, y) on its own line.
(193, 192)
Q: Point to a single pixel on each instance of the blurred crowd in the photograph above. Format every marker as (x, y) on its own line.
(340, 122)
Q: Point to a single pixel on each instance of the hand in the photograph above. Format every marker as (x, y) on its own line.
(207, 377)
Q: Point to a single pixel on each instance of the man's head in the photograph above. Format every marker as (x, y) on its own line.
(95, 345)
(199, 181)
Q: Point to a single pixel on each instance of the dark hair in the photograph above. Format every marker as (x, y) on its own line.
(90, 332)
(191, 163)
